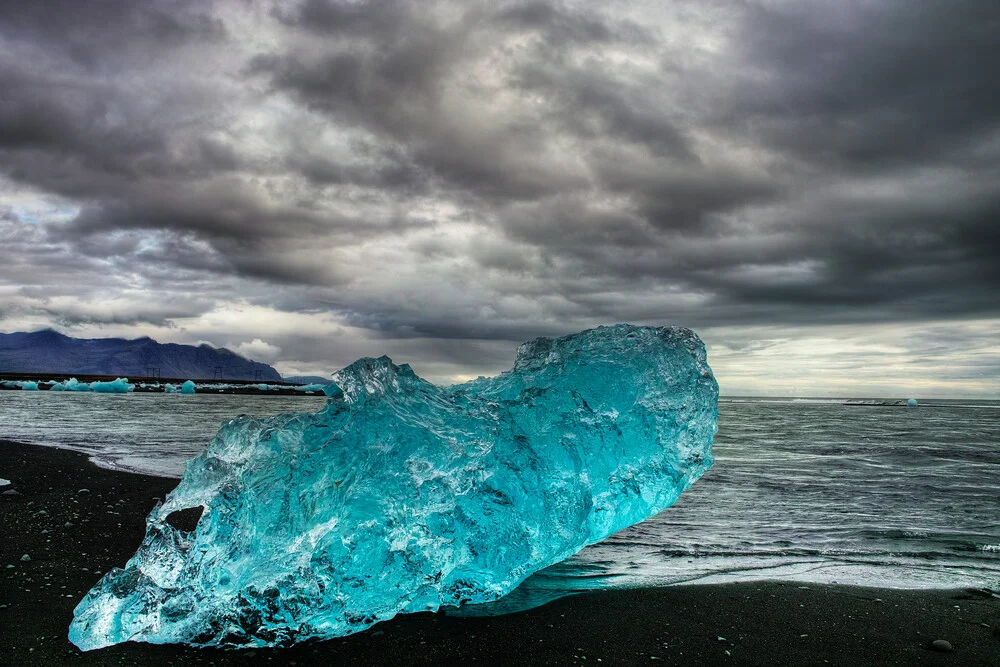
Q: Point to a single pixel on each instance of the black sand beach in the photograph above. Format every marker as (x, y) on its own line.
(71, 537)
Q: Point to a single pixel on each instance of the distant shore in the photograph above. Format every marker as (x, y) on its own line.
(760, 623)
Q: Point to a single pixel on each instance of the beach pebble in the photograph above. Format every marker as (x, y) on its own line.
(25, 558)
(941, 645)
(83, 492)
(67, 525)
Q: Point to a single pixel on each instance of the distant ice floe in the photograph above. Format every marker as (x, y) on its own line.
(23, 385)
(311, 387)
(117, 386)
(71, 384)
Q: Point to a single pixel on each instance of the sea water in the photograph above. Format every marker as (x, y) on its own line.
(806, 490)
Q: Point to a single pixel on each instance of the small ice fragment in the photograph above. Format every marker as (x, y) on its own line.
(4, 482)
(911, 403)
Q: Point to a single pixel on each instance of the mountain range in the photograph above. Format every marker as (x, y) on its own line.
(49, 351)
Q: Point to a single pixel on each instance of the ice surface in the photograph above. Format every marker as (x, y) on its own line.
(119, 386)
(187, 387)
(402, 496)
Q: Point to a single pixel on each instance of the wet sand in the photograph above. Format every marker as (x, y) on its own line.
(73, 537)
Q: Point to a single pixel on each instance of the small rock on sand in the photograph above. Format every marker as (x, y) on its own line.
(10, 492)
(25, 558)
(83, 492)
(941, 645)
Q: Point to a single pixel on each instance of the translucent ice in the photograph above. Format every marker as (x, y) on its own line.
(187, 387)
(119, 386)
(402, 496)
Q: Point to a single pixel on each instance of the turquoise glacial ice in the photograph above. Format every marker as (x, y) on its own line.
(401, 496)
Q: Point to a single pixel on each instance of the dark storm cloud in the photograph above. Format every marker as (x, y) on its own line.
(886, 86)
(455, 170)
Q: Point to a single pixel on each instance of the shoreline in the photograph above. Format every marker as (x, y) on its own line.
(750, 623)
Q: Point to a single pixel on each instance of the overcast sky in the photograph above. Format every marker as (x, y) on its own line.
(813, 186)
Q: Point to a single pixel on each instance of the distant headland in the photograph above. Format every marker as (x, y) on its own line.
(50, 352)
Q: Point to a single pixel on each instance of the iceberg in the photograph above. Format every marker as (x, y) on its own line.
(118, 386)
(402, 496)
(187, 387)
(171, 389)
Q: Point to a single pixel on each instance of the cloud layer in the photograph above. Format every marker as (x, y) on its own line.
(445, 178)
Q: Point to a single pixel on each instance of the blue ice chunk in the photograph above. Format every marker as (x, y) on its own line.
(402, 496)
(264, 387)
(187, 387)
(118, 386)
(71, 384)
(171, 389)
(911, 403)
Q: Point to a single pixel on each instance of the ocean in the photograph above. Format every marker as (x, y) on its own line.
(804, 490)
